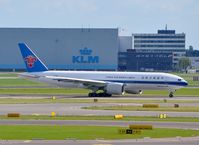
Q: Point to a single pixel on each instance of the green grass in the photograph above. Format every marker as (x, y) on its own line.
(19, 82)
(89, 117)
(140, 108)
(37, 100)
(8, 74)
(25, 132)
(49, 91)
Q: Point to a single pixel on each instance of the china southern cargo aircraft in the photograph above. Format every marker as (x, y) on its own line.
(108, 82)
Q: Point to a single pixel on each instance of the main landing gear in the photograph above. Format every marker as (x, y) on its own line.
(171, 94)
(99, 95)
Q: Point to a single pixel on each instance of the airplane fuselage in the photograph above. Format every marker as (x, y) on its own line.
(131, 80)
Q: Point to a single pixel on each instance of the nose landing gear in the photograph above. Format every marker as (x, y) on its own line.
(171, 94)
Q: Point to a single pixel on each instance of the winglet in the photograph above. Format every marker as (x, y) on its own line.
(32, 62)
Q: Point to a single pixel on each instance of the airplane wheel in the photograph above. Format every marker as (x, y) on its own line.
(108, 95)
(101, 94)
(92, 94)
(171, 95)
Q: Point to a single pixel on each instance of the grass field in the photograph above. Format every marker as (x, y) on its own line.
(140, 108)
(18, 82)
(48, 91)
(6, 74)
(25, 132)
(91, 117)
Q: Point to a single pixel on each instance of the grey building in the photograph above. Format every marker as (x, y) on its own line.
(159, 51)
(164, 39)
(67, 48)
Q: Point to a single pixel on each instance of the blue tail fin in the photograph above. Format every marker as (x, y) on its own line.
(32, 62)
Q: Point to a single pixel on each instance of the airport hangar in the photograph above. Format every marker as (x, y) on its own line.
(86, 49)
(67, 48)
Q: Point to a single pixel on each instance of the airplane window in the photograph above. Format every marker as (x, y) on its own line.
(146, 77)
(161, 77)
(142, 77)
(153, 77)
(158, 78)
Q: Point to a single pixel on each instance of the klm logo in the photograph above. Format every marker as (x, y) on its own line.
(85, 57)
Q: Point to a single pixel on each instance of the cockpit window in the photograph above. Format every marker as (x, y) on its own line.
(179, 79)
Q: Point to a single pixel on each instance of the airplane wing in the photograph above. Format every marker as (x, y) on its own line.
(85, 82)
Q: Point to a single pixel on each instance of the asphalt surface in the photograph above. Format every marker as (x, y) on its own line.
(146, 141)
(181, 125)
(75, 109)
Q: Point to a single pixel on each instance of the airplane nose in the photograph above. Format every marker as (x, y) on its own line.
(186, 83)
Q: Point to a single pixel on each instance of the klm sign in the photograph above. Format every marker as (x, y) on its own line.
(85, 56)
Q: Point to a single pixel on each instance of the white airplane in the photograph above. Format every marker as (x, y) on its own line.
(108, 82)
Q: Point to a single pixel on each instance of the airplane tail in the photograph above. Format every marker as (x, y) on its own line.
(32, 62)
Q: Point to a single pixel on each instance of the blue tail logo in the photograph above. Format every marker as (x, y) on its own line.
(32, 62)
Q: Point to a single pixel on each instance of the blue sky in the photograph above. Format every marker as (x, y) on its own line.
(131, 16)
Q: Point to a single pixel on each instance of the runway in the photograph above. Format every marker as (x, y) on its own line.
(181, 125)
(146, 141)
(76, 109)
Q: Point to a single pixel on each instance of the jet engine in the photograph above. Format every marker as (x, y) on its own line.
(115, 88)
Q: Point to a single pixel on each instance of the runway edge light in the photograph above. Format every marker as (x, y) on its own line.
(53, 114)
(163, 116)
(119, 116)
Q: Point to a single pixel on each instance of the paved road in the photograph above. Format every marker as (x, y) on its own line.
(75, 109)
(182, 125)
(146, 141)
